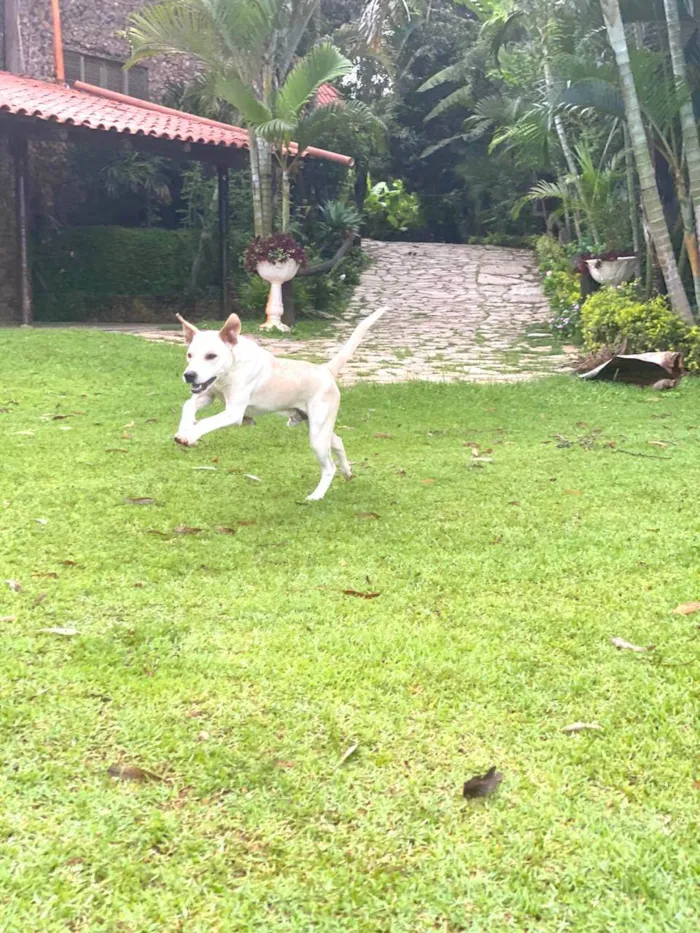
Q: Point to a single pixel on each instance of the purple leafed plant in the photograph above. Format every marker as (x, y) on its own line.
(277, 248)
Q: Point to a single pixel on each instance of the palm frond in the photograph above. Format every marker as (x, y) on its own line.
(173, 29)
(451, 73)
(461, 97)
(230, 88)
(321, 65)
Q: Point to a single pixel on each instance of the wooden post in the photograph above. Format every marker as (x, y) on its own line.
(223, 240)
(13, 53)
(58, 42)
(23, 270)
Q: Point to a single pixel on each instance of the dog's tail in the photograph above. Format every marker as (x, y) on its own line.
(346, 351)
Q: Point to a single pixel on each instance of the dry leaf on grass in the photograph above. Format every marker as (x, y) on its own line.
(366, 515)
(686, 609)
(208, 468)
(8, 618)
(573, 492)
(427, 482)
(41, 521)
(475, 461)
(132, 773)
(361, 595)
(382, 437)
(481, 785)
(626, 645)
(287, 765)
(224, 530)
(69, 563)
(248, 523)
(116, 450)
(125, 436)
(38, 600)
(186, 530)
(49, 574)
(139, 500)
(59, 630)
(251, 476)
(151, 421)
(659, 444)
(348, 753)
(155, 531)
(581, 727)
(15, 586)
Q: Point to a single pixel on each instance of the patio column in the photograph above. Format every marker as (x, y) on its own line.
(19, 151)
(223, 239)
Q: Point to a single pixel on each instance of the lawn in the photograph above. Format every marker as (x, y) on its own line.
(233, 664)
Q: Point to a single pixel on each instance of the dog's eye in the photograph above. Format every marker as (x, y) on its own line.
(210, 356)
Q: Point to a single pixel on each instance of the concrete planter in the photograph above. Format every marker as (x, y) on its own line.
(276, 273)
(612, 271)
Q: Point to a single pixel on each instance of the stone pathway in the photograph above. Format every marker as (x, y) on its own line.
(455, 313)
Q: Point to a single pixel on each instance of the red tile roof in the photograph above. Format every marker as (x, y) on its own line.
(327, 94)
(99, 109)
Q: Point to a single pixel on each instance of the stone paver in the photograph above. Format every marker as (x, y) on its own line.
(454, 313)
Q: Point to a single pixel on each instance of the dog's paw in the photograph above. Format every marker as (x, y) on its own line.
(185, 440)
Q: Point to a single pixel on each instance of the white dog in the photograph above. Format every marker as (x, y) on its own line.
(250, 381)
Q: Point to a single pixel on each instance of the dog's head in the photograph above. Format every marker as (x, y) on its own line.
(209, 352)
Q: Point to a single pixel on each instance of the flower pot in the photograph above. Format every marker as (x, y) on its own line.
(276, 273)
(613, 271)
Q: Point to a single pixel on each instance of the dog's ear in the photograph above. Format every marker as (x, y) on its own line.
(231, 329)
(189, 331)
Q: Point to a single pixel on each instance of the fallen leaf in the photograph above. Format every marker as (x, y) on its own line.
(185, 530)
(59, 417)
(38, 600)
(580, 727)
(659, 444)
(69, 563)
(573, 492)
(151, 421)
(581, 424)
(59, 630)
(49, 574)
(514, 502)
(361, 595)
(686, 609)
(131, 424)
(15, 586)
(256, 479)
(8, 618)
(285, 764)
(202, 736)
(138, 586)
(154, 531)
(223, 530)
(139, 500)
(194, 713)
(25, 433)
(212, 468)
(481, 785)
(427, 482)
(621, 643)
(349, 752)
(381, 436)
(476, 460)
(470, 444)
(116, 450)
(401, 472)
(366, 515)
(65, 427)
(132, 773)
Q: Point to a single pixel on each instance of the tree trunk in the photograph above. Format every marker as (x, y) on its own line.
(691, 145)
(656, 220)
(204, 236)
(568, 154)
(255, 183)
(689, 239)
(631, 192)
(265, 166)
(286, 199)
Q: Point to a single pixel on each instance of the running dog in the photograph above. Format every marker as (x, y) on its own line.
(251, 381)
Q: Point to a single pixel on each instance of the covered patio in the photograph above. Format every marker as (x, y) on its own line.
(87, 115)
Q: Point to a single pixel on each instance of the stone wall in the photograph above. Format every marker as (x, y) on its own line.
(9, 285)
(92, 27)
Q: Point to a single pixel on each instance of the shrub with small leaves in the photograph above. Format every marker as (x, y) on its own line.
(563, 294)
(691, 350)
(617, 315)
(551, 255)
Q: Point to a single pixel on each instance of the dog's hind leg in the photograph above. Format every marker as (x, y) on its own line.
(338, 450)
(321, 421)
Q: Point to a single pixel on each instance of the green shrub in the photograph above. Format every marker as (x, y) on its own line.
(563, 292)
(613, 315)
(391, 209)
(110, 261)
(551, 255)
(690, 347)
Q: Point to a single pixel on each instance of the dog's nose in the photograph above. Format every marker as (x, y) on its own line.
(190, 376)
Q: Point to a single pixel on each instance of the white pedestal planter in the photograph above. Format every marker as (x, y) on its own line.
(612, 271)
(276, 273)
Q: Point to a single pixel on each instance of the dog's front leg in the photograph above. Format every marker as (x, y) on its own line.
(188, 419)
(233, 415)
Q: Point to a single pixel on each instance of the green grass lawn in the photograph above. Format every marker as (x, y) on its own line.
(234, 665)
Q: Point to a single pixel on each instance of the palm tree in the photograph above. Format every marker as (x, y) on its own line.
(289, 124)
(252, 43)
(653, 208)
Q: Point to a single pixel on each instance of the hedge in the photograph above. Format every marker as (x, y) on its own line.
(113, 261)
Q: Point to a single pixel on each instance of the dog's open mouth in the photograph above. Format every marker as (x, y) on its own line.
(197, 387)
